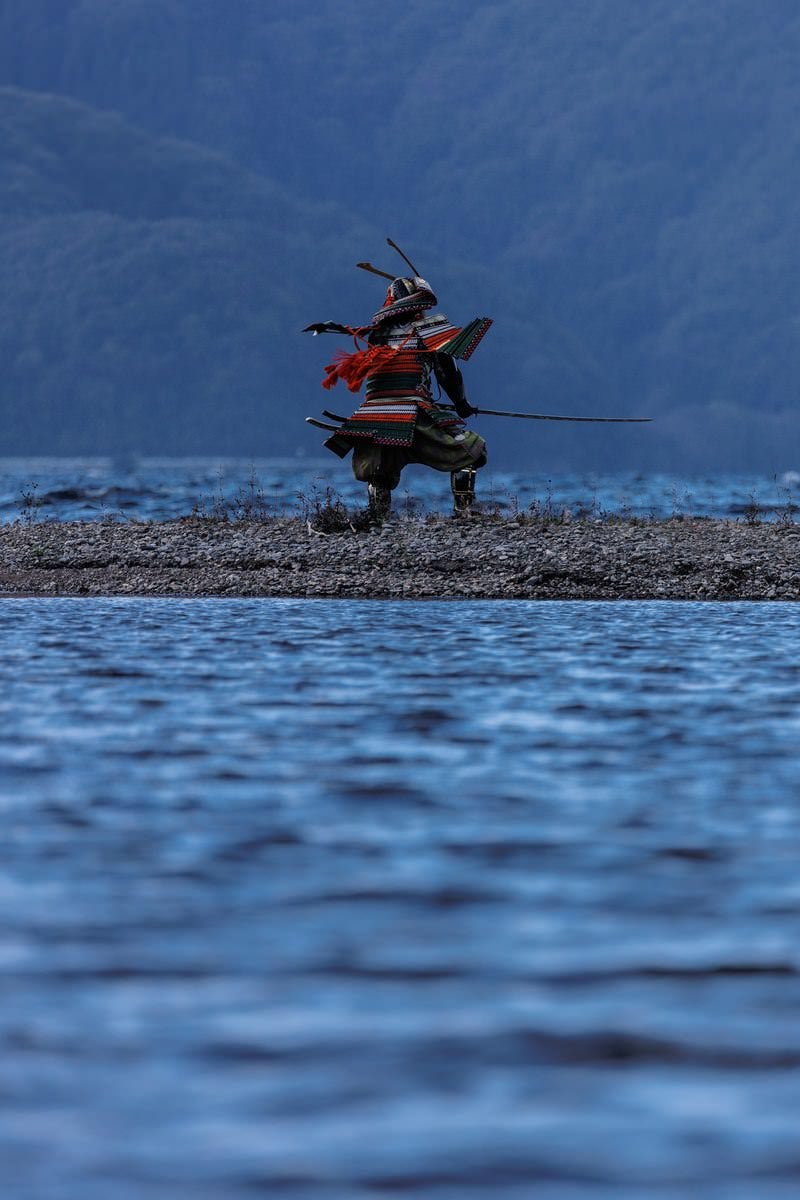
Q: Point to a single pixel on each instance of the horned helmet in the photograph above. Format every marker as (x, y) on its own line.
(405, 296)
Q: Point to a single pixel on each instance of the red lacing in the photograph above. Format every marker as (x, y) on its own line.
(353, 368)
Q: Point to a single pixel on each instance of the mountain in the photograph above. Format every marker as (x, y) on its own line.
(143, 307)
(154, 292)
(614, 184)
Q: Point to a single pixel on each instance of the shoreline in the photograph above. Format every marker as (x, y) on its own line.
(489, 558)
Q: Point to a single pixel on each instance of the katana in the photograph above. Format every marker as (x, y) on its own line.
(496, 412)
(493, 412)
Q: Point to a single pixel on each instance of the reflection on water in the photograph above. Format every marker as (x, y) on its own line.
(365, 899)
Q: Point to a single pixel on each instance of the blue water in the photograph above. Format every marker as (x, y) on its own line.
(356, 900)
(163, 489)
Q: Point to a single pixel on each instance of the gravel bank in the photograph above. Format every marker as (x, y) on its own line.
(688, 559)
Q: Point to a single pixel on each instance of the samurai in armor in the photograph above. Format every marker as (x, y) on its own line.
(399, 355)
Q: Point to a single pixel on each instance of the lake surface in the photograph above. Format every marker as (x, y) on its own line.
(153, 489)
(356, 900)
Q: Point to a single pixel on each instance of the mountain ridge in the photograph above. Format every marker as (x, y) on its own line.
(614, 187)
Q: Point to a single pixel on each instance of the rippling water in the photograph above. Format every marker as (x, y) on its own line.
(162, 489)
(352, 900)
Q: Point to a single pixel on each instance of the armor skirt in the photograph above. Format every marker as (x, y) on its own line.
(432, 446)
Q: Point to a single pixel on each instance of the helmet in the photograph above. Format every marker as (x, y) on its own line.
(404, 296)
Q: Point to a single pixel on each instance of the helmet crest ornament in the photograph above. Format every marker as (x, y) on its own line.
(404, 257)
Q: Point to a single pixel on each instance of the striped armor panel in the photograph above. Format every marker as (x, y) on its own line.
(395, 392)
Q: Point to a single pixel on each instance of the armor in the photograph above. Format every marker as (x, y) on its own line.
(462, 485)
(399, 356)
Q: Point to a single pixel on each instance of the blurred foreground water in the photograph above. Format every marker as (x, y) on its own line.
(163, 489)
(352, 900)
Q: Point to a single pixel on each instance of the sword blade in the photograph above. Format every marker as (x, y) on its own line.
(496, 412)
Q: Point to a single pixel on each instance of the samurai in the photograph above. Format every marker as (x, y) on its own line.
(400, 355)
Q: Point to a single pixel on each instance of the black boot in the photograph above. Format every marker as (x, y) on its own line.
(380, 501)
(462, 485)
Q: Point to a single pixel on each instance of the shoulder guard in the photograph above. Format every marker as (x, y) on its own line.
(458, 341)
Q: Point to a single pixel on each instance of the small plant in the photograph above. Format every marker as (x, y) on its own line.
(786, 514)
(492, 507)
(545, 512)
(213, 508)
(30, 503)
(681, 503)
(326, 512)
(411, 507)
(588, 510)
(248, 504)
(752, 511)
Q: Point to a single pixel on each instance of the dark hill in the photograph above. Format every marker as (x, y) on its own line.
(619, 178)
(143, 306)
(154, 293)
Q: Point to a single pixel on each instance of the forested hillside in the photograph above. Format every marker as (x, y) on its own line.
(144, 306)
(615, 184)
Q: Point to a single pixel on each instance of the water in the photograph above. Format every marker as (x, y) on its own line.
(162, 489)
(352, 900)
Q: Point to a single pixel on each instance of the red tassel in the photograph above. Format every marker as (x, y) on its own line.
(352, 369)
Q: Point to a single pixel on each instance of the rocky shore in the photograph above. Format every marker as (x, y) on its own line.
(438, 558)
